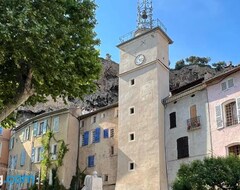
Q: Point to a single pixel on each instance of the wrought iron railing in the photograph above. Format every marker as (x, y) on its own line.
(155, 23)
(193, 123)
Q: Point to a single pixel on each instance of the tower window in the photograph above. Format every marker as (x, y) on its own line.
(132, 110)
(131, 166)
(132, 82)
(131, 137)
(105, 177)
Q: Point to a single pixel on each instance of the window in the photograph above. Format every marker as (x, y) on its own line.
(132, 82)
(27, 134)
(85, 138)
(132, 110)
(1, 130)
(112, 150)
(23, 157)
(105, 177)
(103, 115)
(234, 150)
(172, 117)
(116, 112)
(91, 161)
(228, 114)
(182, 147)
(193, 111)
(106, 133)
(94, 119)
(38, 154)
(111, 133)
(231, 114)
(131, 166)
(131, 137)
(54, 149)
(56, 124)
(96, 136)
(40, 128)
(227, 84)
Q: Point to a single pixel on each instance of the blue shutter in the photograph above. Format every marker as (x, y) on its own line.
(44, 126)
(23, 158)
(1, 130)
(105, 133)
(35, 129)
(97, 135)
(85, 138)
(33, 154)
(90, 161)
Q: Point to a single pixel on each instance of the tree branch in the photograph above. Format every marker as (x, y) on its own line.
(22, 97)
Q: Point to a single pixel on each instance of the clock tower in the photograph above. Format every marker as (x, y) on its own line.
(143, 83)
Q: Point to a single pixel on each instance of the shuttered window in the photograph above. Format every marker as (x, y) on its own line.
(238, 109)
(44, 129)
(97, 135)
(23, 157)
(56, 124)
(182, 147)
(172, 118)
(85, 138)
(105, 133)
(91, 161)
(35, 129)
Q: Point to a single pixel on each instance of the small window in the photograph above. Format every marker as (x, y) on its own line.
(56, 124)
(103, 115)
(131, 137)
(111, 133)
(182, 147)
(132, 110)
(172, 117)
(94, 119)
(112, 150)
(106, 177)
(132, 82)
(230, 83)
(131, 166)
(234, 150)
(227, 84)
(54, 149)
(116, 112)
(224, 86)
(91, 161)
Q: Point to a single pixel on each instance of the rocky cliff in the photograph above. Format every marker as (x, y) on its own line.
(107, 91)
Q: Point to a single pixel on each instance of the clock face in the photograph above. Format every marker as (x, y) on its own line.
(139, 59)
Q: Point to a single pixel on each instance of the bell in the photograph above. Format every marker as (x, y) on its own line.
(144, 14)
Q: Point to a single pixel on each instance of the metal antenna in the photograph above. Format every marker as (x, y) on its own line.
(144, 17)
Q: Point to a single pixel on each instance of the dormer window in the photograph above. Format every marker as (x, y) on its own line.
(227, 84)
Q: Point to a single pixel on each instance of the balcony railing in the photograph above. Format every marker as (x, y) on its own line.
(193, 123)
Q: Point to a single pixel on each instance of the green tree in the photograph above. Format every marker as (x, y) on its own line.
(47, 48)
(219, 65)
(210, 174)
(179, 64)
(197, 60)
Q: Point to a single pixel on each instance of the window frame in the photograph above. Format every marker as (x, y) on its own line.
(183, 147)
(172, 126)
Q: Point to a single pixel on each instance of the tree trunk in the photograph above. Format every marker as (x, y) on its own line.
(22, 97)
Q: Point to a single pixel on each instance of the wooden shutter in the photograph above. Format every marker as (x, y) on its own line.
(238, 108)
(85, 138)
(172, 117)
(105, 133)
(35, 129)
(193, 111)
(97, 135)
(182, 147)
(44, 126)
(219, 119)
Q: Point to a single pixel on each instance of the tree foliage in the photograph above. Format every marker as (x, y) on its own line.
(179, 64)
(47, 48)
(210, 174)
(197, 60)
(219, 65)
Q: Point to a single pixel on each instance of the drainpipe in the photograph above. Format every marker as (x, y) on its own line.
(210, 128)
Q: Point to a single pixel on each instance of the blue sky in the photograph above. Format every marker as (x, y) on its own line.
(209, 28)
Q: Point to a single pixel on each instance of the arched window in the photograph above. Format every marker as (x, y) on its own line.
(234, 150)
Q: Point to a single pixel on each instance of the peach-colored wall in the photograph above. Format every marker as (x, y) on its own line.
(226, 136)
(4, 139)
